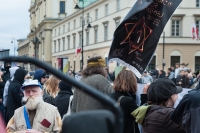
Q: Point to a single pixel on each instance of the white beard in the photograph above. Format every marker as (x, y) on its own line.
(32, 102)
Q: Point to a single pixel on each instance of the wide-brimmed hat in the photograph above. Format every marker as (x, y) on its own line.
(162, 89)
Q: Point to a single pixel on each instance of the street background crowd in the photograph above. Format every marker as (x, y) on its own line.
(28, 99)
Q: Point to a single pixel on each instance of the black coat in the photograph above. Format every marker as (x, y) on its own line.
(15, 93)
(62, 101)
(184, 80)
(128, 105)
(2, 84)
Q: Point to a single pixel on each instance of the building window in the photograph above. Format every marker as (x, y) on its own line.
(63, 44)
(95, 34)
(105, 32)
(58, 45)
(117, 22)
(106, 9)
(74, 24)
(68, 26)
(96, 14)
(118, 5)
(80, 39)
(87, 37)
(54, 46)
(62, 6)
(198, 24)
(197, 62)
(174, 60)
(175, 27)
(59, 31)
(74, 41)
(197, 3)
(68, 39)
(63, 29)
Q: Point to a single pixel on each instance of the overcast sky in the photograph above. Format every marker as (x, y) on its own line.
(14, 22)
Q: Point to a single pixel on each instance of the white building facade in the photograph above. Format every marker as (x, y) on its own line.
(106, 16)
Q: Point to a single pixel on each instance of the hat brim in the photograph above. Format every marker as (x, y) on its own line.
(179, 89)
(23, 87)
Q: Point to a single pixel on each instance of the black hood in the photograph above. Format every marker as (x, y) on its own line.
(20, 75)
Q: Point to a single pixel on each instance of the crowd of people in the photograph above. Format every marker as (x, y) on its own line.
(180, 75)
(38, 103)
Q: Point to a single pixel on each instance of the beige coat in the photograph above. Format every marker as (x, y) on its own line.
(43, 111)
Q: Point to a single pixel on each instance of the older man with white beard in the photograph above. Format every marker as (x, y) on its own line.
(36, 116)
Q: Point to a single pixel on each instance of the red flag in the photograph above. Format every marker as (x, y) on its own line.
(193, 32)
(78, 50)
(197, 33)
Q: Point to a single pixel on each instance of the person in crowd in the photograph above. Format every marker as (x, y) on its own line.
(35, 116)
(2, 84)
(191, 80)
(196, 72)
(95, 76)
(15, 94)
(173, 69)
(146, 78)
(40, 75)
(177, 70)
(12, 71)
(107, 74)
(155, 74)
(186, 113)
(171, 74)
(162, 95)
(183, 66)
(78, 76)
(162, 74)
(187, 71)
(182, 80)
(5, 70)
(70, 74)
(125, 87)
(62, 99)
(51, 86)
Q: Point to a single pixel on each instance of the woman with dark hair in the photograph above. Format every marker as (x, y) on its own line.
(95, 76)
(125, 86)
(162, 74)
(162, 95)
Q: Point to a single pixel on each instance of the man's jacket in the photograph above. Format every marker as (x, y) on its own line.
(187, 113)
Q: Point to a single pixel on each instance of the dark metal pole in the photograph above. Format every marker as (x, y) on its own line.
(163, 50)
(82, 61)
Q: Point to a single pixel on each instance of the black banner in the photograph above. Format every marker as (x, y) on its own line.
(136, 38)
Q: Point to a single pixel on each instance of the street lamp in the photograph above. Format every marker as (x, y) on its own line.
(35, 39)
(13, 41)
(89, 20)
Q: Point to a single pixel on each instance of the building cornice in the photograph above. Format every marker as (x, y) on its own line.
(26, 45)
